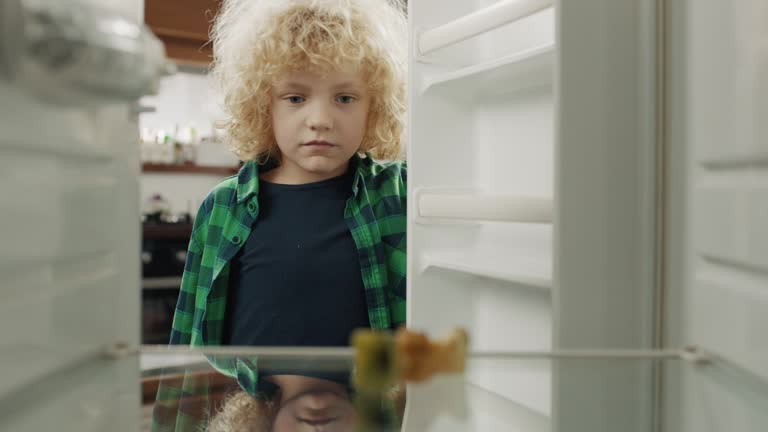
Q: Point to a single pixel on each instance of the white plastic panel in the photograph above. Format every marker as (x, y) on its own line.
(525, 69)
(531, 31)
(740, 300)
(68, 261)
(736, 209)
(93, 396)
(605, 211)
(477, 23)
(735, 78)
(69, 265)
(481, 185)
(482, 207)
(467, 407)
(721, 399)
(75, 193)
(719, 249)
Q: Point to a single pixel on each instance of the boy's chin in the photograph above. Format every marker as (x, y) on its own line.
(321, 165)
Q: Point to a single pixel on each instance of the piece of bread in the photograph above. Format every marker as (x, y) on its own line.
(383, 360)
(419, 359)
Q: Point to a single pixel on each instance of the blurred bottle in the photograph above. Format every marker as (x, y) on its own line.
(146, 145)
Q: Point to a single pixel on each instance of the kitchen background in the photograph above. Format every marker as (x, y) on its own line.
(183, 153)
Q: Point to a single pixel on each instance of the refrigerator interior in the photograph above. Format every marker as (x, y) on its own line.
(71, 244)
(484, 116)
(70, 238)
(460, 406)
(481, 145)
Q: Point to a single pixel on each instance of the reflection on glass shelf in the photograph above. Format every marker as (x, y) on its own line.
(314, 389)
(277, 390)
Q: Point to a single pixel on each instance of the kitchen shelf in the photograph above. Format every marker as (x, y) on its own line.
(189, 169)
(153, 283)
(536, 274)
(527, 69)
(167, 231)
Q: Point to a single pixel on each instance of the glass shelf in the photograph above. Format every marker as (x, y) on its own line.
(309, 389)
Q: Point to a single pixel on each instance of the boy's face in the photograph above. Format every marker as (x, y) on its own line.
(319, 122)
(313, 405)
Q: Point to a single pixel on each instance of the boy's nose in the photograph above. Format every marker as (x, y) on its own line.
(318, 404)
(320, 118)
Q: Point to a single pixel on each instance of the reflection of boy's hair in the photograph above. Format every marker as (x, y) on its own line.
(255, 405)
(242, 412)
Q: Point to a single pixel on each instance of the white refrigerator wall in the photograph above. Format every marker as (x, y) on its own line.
(69, 262)
(718, 209)
(481, 129)
(605, 220)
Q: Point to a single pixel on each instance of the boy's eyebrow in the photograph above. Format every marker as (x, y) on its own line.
(292, 86)
(347, 85)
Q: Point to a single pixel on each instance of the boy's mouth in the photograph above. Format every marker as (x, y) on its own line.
(318, 143)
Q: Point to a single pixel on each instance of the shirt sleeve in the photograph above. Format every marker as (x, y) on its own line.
(398, 258)
(183, 317)
(181, 403)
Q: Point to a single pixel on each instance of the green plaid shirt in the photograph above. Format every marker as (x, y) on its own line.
(375, 215)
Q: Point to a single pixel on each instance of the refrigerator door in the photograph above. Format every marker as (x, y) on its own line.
(719, 207)
(70, 73)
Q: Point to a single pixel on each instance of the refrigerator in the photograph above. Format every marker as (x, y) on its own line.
(587, 196)
(70, 75)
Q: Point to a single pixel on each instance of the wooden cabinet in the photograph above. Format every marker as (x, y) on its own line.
(189, 169)
(183, 26)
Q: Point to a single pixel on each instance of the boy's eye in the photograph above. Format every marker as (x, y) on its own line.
(295, 99)
(345, 99)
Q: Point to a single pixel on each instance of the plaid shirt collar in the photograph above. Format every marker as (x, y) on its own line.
(248, 177)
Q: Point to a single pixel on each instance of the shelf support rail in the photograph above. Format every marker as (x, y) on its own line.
(485, 208)
(690, 354)
(482, 21)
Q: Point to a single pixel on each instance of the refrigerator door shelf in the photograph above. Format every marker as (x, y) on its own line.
(76, 56)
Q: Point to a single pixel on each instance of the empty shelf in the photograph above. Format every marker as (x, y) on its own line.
(528, 273)
(522, 411)
(481, 207)
(526, 69)
(481, 21)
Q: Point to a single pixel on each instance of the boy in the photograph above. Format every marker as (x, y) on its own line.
(307, 242)
(305, 404)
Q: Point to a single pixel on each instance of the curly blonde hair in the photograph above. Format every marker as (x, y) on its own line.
(241, 412)
(257, 41)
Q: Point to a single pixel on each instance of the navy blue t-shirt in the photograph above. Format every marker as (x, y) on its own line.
(296, 280)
